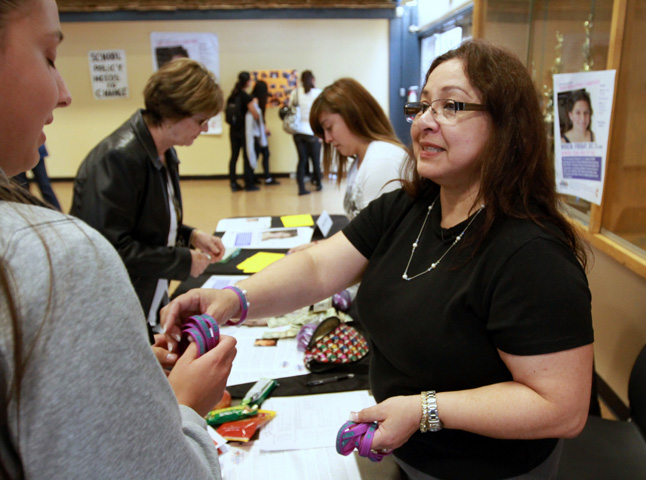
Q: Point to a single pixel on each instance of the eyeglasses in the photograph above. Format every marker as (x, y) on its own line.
(444, 110)
(200, 121)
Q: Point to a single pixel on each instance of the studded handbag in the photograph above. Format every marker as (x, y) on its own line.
(333, 344)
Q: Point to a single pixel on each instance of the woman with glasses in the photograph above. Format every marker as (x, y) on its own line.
(360, 144)
(128, 186)
(473, 287)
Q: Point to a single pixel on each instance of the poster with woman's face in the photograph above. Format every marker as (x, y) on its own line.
(584, 106)
(575, 116)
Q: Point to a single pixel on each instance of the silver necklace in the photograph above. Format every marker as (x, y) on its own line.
(416, 243)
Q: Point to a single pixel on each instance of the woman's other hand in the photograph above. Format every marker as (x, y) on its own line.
(199, 262)
(398, 419)
(208, 244)
(199, 382)
(165, 358)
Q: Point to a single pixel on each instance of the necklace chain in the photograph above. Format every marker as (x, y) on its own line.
(416, 243)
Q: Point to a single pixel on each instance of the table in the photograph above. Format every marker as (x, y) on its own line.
(289, 386)
(229, 268)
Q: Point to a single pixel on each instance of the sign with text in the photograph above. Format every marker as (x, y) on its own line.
(581, 128)
(108, 73)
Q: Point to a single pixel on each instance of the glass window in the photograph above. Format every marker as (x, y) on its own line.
(624, 205)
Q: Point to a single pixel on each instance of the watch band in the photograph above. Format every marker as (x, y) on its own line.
(430, 421)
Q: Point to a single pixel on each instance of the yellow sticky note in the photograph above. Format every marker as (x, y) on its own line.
(257, 262)
(297, 220)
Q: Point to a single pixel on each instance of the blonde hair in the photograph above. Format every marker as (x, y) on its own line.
(180, 89)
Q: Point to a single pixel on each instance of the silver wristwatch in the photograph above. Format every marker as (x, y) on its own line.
(430, 417)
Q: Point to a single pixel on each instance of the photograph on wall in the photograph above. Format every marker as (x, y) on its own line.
(584, 106)
(280, 84)
(202, 47)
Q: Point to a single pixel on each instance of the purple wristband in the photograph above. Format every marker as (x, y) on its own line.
(244, 304)
(204, 331)
(358, 435)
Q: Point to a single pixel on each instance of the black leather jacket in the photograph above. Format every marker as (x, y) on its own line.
(120, 190)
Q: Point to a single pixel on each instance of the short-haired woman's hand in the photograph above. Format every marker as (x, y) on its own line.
(199, 262)
(208, 244)
(199, 382)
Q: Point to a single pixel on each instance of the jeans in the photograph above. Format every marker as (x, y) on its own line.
(40, 175)
(264, 151)
(308, 146)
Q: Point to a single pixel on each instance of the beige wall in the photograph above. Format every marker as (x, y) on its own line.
(330, 48)
(619, 316)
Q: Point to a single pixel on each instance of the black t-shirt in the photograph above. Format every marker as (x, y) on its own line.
(523, 292)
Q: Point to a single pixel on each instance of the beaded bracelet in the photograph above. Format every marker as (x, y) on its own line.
(244, 304)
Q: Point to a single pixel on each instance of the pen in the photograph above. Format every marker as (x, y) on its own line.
(323, 381)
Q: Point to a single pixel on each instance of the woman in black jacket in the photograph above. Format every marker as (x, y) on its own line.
(128, 186)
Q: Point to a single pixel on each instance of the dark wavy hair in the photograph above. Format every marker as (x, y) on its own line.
(260, 92)
(243, 79)
(516, 176)
(361, 113)
(307, 80)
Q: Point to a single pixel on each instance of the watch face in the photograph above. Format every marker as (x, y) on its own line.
(435, 427)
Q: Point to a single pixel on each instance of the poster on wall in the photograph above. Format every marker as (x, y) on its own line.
(584, 106)
(280, 83)
(108, 74)
(202, 47)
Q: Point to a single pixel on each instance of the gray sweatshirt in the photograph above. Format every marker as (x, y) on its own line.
(94, 401)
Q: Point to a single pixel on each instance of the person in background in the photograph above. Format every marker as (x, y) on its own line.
(42, 179)
(579, 114)
(360, 143)
(476, 373)
(237, 136)
(128, 186)
(307, 145)
(257, 132)
(82, 393)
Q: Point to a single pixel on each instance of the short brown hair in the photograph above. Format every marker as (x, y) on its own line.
(180, 89)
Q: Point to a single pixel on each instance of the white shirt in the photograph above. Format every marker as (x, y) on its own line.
(305, 101)
(381, 163)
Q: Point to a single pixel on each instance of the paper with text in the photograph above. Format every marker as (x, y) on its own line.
(309, 421)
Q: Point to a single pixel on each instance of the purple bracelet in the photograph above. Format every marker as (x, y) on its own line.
(358, 435)
(204, 331)
(244, 304)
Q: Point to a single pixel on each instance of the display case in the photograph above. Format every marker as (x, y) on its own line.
(568, 36)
